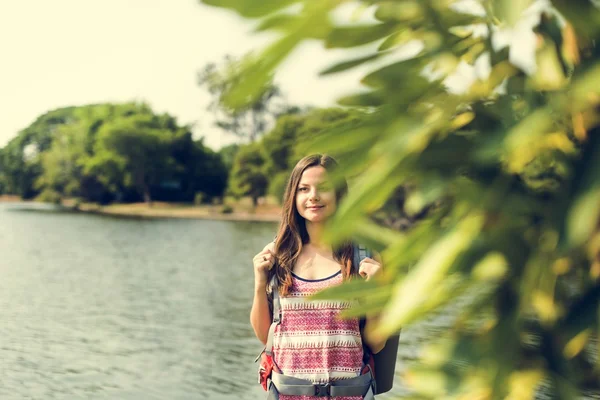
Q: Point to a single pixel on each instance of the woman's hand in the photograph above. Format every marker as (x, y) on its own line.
(263, 262)
(368, 268)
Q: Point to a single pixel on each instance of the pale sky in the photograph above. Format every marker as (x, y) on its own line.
(57, 53)
(73, 52)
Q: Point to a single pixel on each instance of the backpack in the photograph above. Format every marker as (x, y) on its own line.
(384, 362)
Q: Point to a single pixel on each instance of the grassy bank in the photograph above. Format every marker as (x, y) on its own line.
(173, 210)
(241, 210)
(9, 198)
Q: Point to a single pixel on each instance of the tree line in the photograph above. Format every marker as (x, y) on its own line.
(107, 153)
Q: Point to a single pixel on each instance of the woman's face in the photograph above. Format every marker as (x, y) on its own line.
(315, 195)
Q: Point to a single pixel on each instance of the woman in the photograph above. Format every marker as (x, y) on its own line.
(309, 342)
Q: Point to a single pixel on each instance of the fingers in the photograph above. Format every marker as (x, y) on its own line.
(368, 267)
(370, 260)
(264, 259)
(362, 272)
(265, 252)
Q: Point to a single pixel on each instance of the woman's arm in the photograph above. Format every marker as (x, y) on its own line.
(260, 315)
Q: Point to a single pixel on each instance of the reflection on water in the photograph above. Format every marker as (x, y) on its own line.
(110, 308)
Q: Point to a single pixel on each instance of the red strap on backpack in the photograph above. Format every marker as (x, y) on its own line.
(369, 367)
(267, 365)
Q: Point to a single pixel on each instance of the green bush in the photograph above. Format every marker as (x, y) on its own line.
(50, 196)
(226, 209)
(200, 198)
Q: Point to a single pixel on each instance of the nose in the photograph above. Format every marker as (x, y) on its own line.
(314, 194)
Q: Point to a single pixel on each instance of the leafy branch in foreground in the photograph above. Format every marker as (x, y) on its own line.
(510, 159)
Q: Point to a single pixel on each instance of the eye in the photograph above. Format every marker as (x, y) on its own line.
(301, 189)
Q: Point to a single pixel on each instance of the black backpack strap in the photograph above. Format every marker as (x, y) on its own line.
(276, 315)
(360, 253)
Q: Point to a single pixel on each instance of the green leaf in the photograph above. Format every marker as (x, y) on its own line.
(411, 247)
(520, 142)
(289, 23)
(391, 41)
(376, 236)
(429, 272)
(581, 316)
(279, 22)
(584, 213)
(395, 74)
(373, 188)
(352, 137)
(453, 18)
(352, 36)
(373, 98)
(426, 193)
(258, 74)
(402, 11)
(371, 304)
(346, 65)
(585, 89)
(510, 11)
(250, 8)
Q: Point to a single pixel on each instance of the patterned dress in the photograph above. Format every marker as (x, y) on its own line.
(311, 342)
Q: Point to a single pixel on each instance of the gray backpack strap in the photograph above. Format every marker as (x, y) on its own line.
(360, 253)
(351, 387)
(276, 316)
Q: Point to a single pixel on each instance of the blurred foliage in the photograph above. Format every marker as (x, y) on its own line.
(256, 117)
(107, 152)
(490, 131)
(228, 153)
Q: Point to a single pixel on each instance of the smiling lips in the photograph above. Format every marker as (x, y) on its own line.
(314, 207)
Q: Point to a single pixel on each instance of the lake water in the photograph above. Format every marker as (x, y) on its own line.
(95, 307)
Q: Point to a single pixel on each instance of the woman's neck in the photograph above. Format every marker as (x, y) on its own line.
(315, 234)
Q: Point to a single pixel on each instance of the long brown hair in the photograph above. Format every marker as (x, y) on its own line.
(292, 234)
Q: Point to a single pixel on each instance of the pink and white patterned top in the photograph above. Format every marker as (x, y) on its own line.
(311, 342)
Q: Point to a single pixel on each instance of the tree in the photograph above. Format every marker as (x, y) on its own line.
(210, 172)
(248, 176)
(133, 151)
(509, 162)
(106, 152)
(62, 163)
(252, 118)
(228, 153)
(22, 164)
(199, 169)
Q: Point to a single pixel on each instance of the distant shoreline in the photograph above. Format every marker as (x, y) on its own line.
(161, 210)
